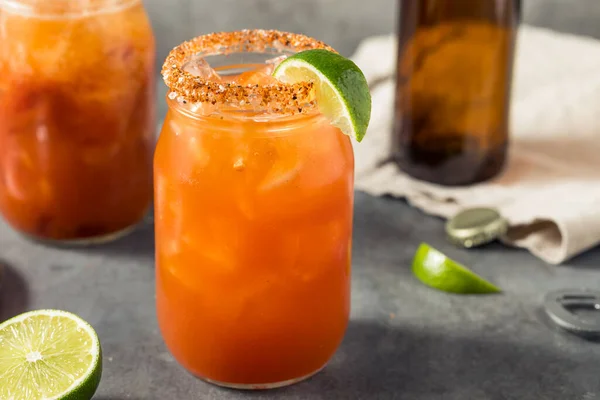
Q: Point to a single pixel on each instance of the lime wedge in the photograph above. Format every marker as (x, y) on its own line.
(49, 354)
(341, 88)
(438, 271)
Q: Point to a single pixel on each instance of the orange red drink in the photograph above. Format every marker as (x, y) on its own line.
(76, 117)
(253, 214)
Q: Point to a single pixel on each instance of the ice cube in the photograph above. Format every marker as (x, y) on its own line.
(280, 176)
(284, 168)
(218, 242)
(276, 60)
(271, 64)
(263, 75)
(260, 76)
(198, 66)
(198, 154)
(171, 217)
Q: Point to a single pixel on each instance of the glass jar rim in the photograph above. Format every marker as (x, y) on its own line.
(232, 122)
(65, 8)
(280, 97)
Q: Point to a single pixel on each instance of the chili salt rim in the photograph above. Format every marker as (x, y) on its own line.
(278, 97)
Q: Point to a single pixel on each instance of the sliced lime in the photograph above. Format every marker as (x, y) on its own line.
(49, 354)
(438, 271)
(341, 88)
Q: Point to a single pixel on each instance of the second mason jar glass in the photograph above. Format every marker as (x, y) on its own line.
(455, 60)
(76, 117)
(253, 214)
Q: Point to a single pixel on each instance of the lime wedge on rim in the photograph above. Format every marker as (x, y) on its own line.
(341, 88)
(436, 270)
(49, 354)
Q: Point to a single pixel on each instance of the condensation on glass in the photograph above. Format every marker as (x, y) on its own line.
(76, 117)
(455, 60)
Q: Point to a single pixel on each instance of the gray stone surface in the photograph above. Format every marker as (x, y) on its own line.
(405, 341)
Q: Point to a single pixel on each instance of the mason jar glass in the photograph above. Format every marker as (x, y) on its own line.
(77, 117)
(253, 216)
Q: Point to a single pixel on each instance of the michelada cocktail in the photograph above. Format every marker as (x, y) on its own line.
(253, 206)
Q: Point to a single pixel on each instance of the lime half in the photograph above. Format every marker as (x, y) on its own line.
(341, 88)
(49, 354)
(438, 271)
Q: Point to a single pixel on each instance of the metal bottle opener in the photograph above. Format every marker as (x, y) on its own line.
(558, 306)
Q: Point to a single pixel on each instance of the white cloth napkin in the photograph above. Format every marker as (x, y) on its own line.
(550, 190)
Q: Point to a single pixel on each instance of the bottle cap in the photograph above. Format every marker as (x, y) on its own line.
(476, 226)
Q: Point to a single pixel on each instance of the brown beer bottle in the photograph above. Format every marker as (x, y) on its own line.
(455, 60)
